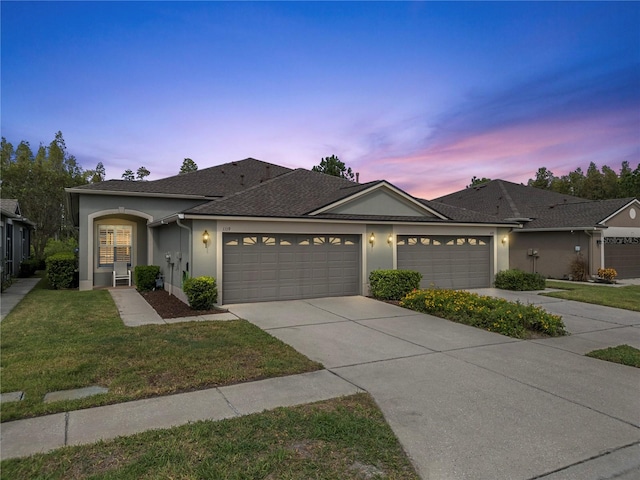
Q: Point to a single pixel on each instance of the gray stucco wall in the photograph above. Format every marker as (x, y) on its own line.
(380, 203)
(379, 256)
(139, 210)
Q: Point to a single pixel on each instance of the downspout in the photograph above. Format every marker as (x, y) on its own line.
(179, 223)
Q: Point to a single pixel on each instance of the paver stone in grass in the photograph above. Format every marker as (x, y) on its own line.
(74, 394)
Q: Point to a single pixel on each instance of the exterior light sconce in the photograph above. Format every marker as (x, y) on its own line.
(390, 239)
(505, 239)
(372, 239)
(206, 238)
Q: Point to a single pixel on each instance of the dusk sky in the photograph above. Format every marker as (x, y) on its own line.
(424, 95)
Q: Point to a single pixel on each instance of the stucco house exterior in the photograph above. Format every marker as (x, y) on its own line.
(267, 232)
(557, 227)
(15, 232)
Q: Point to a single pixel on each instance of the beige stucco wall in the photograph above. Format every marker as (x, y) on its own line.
(555, 250)
(628, 217)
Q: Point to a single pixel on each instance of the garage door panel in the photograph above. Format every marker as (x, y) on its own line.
(447, 261)
(624, 258)
(281, 267)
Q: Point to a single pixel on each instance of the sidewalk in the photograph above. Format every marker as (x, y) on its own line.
(22, 438)
(16, 292)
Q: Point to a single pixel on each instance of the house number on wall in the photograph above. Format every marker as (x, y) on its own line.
(226, 229)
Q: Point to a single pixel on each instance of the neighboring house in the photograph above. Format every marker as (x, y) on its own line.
(557, 227)
(267, 232)
(15, 232)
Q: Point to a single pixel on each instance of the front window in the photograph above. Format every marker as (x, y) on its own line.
(114, 244)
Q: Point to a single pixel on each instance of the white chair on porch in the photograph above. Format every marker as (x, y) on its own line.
(121, 272)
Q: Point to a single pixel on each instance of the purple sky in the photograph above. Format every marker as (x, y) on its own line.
(424, 95)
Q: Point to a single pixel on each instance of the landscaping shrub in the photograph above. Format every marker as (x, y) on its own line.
(54, 247)
(61, 269)
(393, 284)
(579, 269)
(28, 267)
(608, 274)
(518, 280)
(493, 314)
(144, 276)
(201, 292)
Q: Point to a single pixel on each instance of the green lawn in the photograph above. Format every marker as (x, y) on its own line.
(59, 340)
(344, 438)
(624, 354)
(627, 297)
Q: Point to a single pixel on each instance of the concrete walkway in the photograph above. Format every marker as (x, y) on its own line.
(16, 292)
(41, 434)
(135, 311)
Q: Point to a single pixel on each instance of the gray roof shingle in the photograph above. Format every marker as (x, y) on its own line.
(545, 209)
(218, 181)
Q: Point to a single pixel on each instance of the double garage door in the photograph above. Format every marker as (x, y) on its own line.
(265, 267)
(447, 261)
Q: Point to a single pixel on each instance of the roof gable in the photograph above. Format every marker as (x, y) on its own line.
(381, 198)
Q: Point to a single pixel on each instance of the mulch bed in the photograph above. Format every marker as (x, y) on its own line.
(170, 306)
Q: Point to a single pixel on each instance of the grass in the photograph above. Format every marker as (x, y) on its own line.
(624, 354)
(627, 297)
(344, 438)
(65, 339)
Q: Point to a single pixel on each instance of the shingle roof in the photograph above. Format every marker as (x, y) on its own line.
(293, 194)
(218, 181)
(545, 209)
(252, 188)
(9, 206)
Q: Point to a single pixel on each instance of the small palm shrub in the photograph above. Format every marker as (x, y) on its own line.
(393, 284)
(201, 292)
(493, 314)
(520, 281)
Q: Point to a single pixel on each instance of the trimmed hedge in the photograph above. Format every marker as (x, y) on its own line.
(518, 280)
(201, 292)
(393, 284)
(144, 276)
(61, 270)
(28, 267)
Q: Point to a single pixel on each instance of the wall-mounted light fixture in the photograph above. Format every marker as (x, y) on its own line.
(372, 238)
(206, 238)
(390, 239)
(505, 239)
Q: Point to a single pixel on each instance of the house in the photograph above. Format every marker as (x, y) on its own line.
(267, 232)
(15, 232)
(557, 227)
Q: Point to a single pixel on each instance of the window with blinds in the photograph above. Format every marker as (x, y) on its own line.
(114, 244)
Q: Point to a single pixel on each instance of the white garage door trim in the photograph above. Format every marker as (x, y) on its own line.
(265, 267)
(447, 261)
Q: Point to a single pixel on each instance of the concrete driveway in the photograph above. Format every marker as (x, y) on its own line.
(469, 404)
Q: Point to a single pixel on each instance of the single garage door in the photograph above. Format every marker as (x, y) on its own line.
(264, 267)
(447, 261)
(623, 254)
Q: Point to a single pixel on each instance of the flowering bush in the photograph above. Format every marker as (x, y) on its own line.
(609, 274)
(493, 314)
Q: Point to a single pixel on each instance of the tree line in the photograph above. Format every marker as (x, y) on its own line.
(594, 184)
(38, 181)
